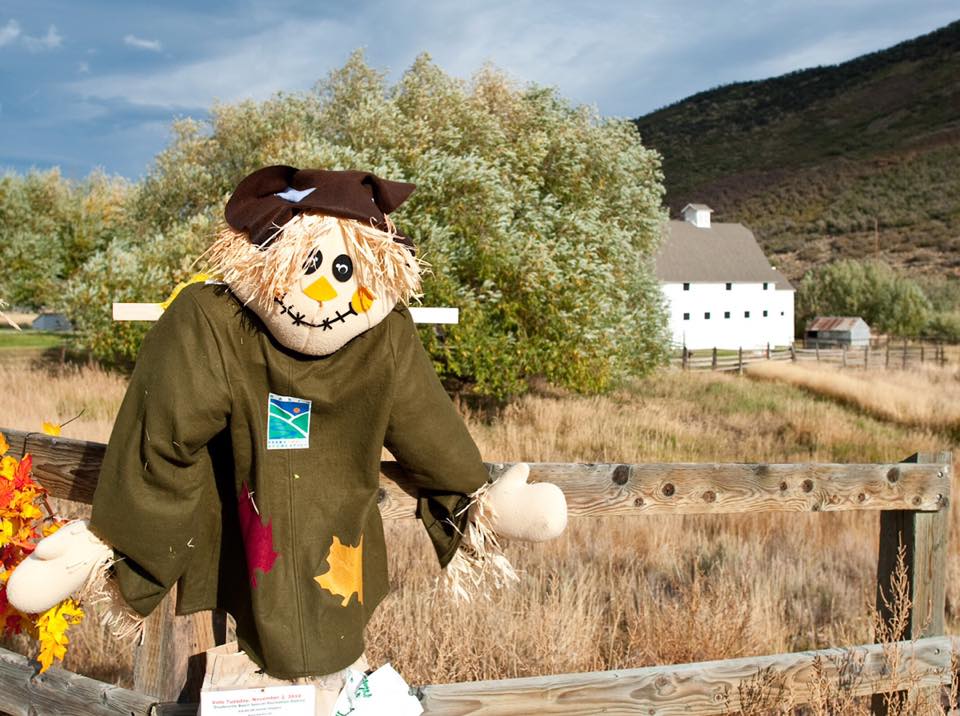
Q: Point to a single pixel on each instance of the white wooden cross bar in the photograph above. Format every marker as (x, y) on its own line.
(152, 311)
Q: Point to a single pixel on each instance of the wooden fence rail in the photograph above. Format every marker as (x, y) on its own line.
(912, 497)
(890, 355)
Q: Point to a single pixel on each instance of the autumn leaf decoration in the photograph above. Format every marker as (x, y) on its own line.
(257, 536)
(22, 525)
(345, 576)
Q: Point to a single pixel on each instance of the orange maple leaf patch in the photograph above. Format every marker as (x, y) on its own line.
(345, 576)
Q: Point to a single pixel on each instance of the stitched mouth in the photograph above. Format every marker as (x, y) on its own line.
(298, 318)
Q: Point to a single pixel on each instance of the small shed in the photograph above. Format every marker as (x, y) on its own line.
(836, 331)
(52, 322)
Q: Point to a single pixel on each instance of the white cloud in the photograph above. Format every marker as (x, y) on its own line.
(9, 32)
(141, 43)
(50, 41)
(83, 68)
(284, 56)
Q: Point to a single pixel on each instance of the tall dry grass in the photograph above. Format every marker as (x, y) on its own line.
(927, 398)
(614, 592)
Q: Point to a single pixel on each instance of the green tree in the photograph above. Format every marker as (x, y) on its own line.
(887, 301)
(539, 218)
(50, 227)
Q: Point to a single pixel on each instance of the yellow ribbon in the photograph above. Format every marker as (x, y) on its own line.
(196, 278)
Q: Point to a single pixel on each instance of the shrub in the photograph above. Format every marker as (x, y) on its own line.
(540, 219)
(887, 301)
(50, 227)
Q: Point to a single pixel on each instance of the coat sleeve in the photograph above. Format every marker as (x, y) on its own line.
(156, 473)
(430, 441)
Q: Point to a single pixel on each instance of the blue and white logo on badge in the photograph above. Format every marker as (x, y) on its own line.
(288, 423)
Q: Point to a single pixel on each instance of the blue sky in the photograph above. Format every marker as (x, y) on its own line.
(96, 83)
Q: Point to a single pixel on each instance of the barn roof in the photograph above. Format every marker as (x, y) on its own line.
(718, 254)
(835, 323)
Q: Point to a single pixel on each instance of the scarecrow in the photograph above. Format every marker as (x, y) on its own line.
(244, 462)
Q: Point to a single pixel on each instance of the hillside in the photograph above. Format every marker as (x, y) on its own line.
(855, 160)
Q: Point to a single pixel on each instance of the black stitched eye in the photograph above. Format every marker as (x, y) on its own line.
(342, 268)
(313, 263)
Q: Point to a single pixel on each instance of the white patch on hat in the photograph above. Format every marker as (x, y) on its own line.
(293, 196)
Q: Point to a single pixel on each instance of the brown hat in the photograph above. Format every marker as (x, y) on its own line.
(269, 197)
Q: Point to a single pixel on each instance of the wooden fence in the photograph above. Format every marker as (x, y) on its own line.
(912, 497)
(890, 355)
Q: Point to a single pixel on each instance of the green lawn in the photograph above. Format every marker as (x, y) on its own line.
(28, 338)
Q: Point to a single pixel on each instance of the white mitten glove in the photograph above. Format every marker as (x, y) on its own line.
(515, 509)
(59, 567)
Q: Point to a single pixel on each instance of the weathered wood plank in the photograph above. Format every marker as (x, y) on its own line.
(58, 692)
(680, 488)
(68, 468)
(695, 689)
(169, 662)
(924, 538)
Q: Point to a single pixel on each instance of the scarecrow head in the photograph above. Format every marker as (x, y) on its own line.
(314, 254)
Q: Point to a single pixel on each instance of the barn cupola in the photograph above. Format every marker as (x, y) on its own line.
(697, 214)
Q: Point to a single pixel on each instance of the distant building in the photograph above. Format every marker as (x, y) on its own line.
(722, 291)
(836, 331)
(52, 322)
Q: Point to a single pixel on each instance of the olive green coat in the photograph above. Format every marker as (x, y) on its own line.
(190, 492)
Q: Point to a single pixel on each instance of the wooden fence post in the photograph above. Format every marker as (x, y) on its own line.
(713, 361)
(904, 366)
(169, 662)
(768, 350)
(886, 363)
(793, 353)
(922, 351)
(924, 538)
(684, 359)
(817, 348)
(740, 361)
(843, 355)
(866, 356)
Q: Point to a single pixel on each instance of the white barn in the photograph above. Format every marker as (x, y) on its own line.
(721, 290)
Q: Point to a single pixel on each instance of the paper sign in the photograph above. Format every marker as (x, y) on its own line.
(268, 701)
(383, 692)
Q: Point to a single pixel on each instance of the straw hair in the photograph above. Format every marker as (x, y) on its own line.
(479, 566)
(102, 592)
(382, 264)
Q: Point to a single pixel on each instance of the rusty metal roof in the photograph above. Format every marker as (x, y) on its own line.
(835, 323)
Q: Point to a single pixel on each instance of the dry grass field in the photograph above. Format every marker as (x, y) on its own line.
(626, 592)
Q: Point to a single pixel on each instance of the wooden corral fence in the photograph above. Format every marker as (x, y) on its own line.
(911, 496)
(890, 355)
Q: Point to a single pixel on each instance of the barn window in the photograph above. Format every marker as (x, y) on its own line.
(707, 315)
(686, 316)
(729, 286)
(781, 313)
(746, 314)
(686, 287)
(726, 314)
(765, 284)
(765, 314)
